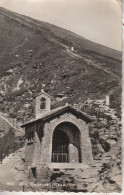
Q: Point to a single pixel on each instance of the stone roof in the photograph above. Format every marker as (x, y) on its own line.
(59, 111)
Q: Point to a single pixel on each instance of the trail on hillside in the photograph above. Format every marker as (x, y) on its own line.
(93, 64)
(90, 62)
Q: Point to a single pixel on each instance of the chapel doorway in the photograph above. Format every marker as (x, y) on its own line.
(60, 147)
(66, 144)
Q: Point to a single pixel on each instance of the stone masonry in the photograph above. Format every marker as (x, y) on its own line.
(44, 144)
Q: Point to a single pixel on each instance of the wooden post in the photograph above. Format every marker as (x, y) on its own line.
(97, 116)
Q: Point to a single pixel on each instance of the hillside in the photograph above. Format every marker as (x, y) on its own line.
(35, 53)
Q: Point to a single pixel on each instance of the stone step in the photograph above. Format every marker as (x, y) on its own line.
(107, 157)
(67, 166)
(91, 180)
(71, 187)
(89, 175)
(81, 188)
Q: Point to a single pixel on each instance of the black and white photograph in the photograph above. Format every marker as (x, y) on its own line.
(61, 96)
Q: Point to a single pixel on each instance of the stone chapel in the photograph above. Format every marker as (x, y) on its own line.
(58, 137)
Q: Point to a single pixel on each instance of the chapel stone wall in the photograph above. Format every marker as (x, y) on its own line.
(29, 146)
(85, 143)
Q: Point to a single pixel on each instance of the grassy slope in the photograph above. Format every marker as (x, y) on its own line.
(39, 53)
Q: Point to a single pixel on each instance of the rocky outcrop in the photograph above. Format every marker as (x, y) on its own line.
(11, 139)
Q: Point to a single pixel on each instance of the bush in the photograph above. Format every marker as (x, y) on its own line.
(19, 92)
(106, 146)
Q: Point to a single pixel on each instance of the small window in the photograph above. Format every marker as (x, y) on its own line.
(40, 133)
(43, 103)
(30, 135)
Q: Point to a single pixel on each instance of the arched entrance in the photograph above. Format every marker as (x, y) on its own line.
(66, 144)
(60, 147)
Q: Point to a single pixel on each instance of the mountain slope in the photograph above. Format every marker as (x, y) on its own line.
(35, 53)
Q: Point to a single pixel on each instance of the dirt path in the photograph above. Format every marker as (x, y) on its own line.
(89, 61)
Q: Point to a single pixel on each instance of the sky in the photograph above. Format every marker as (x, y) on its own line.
(96, 20)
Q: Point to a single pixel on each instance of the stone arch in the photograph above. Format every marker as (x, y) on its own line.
(66, 143)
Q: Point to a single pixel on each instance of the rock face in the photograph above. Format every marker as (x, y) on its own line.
(10, 138)
(105, 131)
(12, 172)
